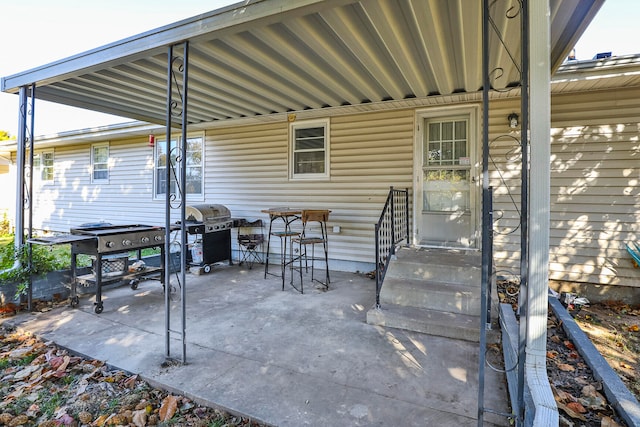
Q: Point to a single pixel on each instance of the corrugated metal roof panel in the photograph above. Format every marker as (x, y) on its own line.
(262, 57)
(597, 74)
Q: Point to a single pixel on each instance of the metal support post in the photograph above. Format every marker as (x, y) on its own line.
(32, 140)
(24, 187)
(177, 82)
(20, 165)
(524, 211)
(183, 205)
(485, 216)
(167, 211)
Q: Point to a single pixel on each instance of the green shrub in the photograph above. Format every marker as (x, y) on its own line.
(5, 225)
(43, 261)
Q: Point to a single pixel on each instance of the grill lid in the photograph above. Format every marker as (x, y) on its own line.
(207, 213)
(100, 230)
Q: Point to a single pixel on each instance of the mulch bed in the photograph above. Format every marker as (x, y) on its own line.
(578, 395)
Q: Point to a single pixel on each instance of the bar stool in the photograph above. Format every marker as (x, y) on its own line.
(312, 219)
(288, 216)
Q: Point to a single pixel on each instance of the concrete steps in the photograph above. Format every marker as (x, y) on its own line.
(449, 297)
(432, 322)
(433, 291)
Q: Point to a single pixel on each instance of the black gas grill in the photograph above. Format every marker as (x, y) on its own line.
(105, 243)
(210, 226)
(105, 239)
(109, 246)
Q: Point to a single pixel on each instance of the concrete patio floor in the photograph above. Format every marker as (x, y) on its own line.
(282, 358)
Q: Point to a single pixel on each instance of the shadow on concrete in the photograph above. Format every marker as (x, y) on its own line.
(281, 357)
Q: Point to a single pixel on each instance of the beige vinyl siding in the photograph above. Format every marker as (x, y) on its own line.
(595, 186)
(8, 199)
(248, 171)
(505, 165)
(73, 199)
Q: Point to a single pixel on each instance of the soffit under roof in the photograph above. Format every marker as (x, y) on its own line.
(258, 58)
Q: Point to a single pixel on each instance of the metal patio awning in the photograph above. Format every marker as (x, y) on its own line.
(262, 57)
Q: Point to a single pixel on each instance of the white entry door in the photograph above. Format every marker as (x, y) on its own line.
(446, 214)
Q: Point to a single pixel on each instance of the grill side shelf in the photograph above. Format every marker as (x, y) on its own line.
(64, 239)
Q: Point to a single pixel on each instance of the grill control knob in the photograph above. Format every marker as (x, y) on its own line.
(145, 239)
(157, 238)
(109, 244)
(126, 242)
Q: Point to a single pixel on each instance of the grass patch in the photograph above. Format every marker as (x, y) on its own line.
(104, 393)
(25, 361)
(51, 402)
(19, 405)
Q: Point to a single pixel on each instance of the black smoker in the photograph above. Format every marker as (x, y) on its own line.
(211, 226)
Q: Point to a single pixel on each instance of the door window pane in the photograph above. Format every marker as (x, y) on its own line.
(446, 191)
(446, 167)
(446, 143)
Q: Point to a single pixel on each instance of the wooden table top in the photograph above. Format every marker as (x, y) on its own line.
(282, 211)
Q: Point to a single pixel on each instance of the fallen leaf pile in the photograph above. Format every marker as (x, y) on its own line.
(578, 395)
(614, 329)
(508, 292)
(43, 385)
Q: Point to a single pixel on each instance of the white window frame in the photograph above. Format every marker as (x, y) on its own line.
(174, 142)
(324, 123)
(106, 168)
(39, 168)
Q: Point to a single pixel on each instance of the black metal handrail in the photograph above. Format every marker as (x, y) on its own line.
(391, 229)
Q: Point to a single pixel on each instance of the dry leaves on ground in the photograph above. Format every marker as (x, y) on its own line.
(614, 328)
(578, 395)
(43, 385)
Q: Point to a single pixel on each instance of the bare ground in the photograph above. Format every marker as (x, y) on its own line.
(614, 329)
